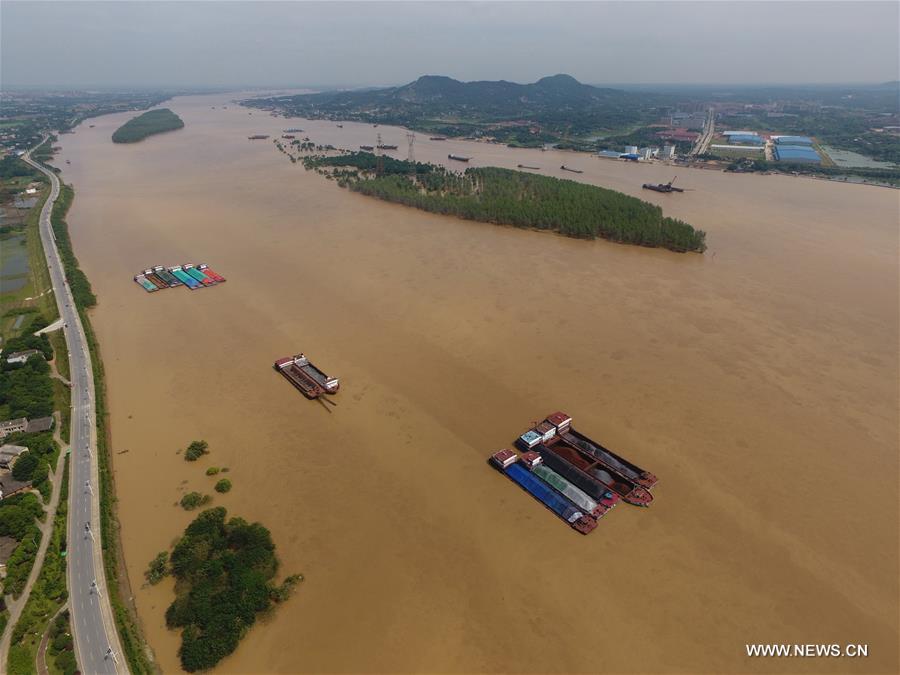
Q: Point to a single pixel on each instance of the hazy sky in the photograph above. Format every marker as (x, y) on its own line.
(342, 43)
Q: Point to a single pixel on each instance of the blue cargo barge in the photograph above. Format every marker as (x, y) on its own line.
(549, 498)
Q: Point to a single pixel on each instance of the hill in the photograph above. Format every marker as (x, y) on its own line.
(551, 109)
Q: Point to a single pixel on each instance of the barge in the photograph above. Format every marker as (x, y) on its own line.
(610, 459)
(367, 148)
(662, 187)
(166, 276)
(293, 131)
(525, 166)
(311, 381)
(566, 168)
(198, 275)
(459, 158)
(590, 475)
(437, 138)
(185, 278)
(387, 147)
(506, 461)
(257, 137)
(154, 279)
(203, 267)
(574, 494)
(145, 284)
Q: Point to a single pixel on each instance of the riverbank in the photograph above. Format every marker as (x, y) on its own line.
(436, 327)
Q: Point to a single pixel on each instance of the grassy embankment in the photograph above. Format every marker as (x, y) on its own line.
(126, 623)
(150, 123)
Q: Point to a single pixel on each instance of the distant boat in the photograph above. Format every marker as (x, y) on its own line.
(525, 166)
(367, 148)
(459, 158)
(438, 138)
(387, 147)
(340, 126)
(257, 137)
(565, 168)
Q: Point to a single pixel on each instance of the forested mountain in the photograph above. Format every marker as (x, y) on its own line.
(552, 107)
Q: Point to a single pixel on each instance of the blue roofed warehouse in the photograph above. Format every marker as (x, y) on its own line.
(797, 153)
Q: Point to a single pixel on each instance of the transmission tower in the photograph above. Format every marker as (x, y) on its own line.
(411, 155)
(379, 158)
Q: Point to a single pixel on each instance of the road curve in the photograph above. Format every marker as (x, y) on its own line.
(97, 645)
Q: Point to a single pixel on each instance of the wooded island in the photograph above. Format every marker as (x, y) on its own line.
(508, 197)
(150, 123)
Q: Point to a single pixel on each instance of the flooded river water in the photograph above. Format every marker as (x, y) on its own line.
(758, 381)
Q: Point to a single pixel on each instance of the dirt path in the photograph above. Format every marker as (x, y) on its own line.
(41, 659)
(16, 606)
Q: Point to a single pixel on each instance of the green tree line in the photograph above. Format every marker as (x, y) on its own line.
(503, 196)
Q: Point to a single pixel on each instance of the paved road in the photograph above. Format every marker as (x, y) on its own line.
(92, 620)
(709, 130)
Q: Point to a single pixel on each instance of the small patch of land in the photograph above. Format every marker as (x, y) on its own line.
(223, 580)
(150, 123)
(508, 197)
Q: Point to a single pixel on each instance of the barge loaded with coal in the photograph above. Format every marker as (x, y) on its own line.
(311, 381)
(572, 475)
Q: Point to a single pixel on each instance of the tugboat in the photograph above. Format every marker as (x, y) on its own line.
(662, 187)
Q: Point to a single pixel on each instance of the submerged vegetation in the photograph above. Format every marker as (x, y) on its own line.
(516, 198)
(150, 123)
(224, 573)
(196, 450)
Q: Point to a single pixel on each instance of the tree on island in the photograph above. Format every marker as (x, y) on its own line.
(224, 573)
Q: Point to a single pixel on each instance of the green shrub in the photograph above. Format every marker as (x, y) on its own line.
(25, 466)
(196, 450)
(159, 566)
(212, 471)
(192, 500)
(223, 485)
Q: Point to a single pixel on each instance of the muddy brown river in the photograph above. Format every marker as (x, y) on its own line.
(758, 381)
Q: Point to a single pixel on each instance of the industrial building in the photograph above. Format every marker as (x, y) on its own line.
(796, 153)
(743, 138)
(695, 120)
(738, 148)
(793, 140)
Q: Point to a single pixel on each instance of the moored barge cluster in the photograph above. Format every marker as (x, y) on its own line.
(574, 476)
(190, 276)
